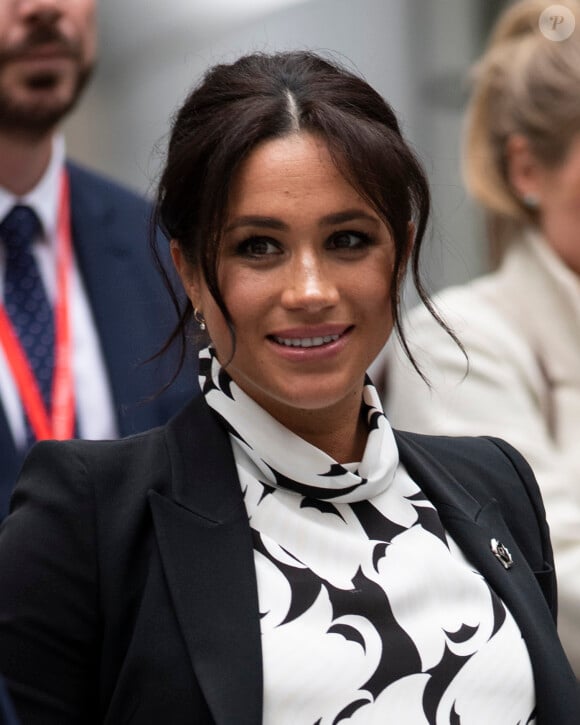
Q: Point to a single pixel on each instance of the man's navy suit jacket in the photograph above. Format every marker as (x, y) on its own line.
(130, 307)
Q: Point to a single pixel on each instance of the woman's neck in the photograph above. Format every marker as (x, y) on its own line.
(342, 437)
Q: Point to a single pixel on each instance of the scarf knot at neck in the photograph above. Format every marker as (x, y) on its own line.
(287, 461)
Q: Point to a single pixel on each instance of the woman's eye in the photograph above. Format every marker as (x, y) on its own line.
(258, 247)
(349, 240)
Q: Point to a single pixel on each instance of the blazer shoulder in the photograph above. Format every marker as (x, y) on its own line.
(107, 462)
(484, 461)
(490, 468)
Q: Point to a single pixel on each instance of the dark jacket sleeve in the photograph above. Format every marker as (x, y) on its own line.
(49, 614)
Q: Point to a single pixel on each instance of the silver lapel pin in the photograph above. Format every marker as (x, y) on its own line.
(501, 553)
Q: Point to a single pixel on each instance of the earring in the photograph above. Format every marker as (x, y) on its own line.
(532, 201)
(198, 317)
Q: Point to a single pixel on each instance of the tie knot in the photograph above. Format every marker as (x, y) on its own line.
(19, 228)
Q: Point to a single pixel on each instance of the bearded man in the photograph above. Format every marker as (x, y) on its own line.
(81, 302)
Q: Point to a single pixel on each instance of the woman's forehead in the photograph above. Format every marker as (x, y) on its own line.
(281, 173)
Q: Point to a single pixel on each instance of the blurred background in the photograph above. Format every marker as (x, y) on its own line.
(417, 53)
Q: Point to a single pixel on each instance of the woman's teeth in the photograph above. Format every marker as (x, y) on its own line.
(305, 341)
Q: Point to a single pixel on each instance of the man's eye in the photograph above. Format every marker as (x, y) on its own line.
(349, 240)
(258, 247)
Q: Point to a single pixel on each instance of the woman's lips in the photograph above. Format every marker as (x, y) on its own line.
(305, 341)
(301, 342)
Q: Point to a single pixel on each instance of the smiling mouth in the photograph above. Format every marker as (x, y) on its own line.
(304, 342)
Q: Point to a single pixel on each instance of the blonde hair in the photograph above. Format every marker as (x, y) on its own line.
(524, 84)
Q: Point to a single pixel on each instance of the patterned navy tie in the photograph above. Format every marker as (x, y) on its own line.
(25, 298)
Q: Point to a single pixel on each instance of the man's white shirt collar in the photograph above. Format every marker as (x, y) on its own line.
(45, 196)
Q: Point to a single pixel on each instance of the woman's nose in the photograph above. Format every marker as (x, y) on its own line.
(309, 285)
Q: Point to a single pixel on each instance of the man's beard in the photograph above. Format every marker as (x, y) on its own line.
(35, 117)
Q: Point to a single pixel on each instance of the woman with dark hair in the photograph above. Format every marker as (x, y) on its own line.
(277, 553)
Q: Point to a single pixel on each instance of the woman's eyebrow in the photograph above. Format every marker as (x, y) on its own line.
(267, 222)
(348, 215)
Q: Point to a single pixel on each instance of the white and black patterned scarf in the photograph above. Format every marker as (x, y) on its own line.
(287, 461)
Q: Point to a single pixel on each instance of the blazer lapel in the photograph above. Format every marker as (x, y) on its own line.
(126, 297)
(106, 274)
(100, 259)
(206, 549)
(473, 525)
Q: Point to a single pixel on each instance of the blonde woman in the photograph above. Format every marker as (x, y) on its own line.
(521, 324)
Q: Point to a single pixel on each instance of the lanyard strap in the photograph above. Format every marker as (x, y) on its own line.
(60, 424)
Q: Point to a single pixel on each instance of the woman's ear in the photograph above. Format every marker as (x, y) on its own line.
(188, 274)
(524, 171)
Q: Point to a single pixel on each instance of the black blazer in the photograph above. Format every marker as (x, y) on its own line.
(130, 307)
(128, 586)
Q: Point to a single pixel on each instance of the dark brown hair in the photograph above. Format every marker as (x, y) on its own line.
(238, 106)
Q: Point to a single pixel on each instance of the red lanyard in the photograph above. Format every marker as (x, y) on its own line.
(60, 424)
